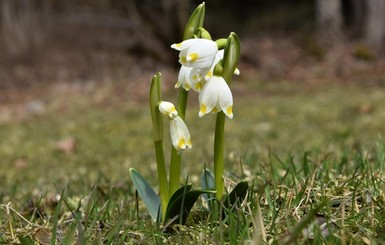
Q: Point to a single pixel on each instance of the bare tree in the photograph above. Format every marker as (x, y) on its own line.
(329, 17)
(21, 25)
(157, 24)
(375, 22)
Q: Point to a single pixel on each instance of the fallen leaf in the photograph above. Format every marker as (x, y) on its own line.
(67, 145)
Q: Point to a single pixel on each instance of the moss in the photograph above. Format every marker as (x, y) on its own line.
(362, 52)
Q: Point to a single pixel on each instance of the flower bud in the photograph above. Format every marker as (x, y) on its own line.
(168, 109)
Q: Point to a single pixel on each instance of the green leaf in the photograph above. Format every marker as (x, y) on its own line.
(180, 191)
(148, 195)
(208, 183)
(194, 22)
(238, 194)
(181, 203)
(56, 218)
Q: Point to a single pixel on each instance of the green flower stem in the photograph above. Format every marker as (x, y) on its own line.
(175, 161)
(219, 154)
(157, 124)
(230, 61)
(195, 22)
(162, 176)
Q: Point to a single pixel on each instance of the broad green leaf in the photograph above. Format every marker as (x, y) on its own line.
(148, 195)
(180, 191)
(181, 203)
(237, 194)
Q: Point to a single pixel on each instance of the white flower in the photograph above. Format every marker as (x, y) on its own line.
(216, 96)
(168, 109)
(197, 77)
(184, 78)
(197, 52)
(191, 78)
(180, 136)
(218, 57)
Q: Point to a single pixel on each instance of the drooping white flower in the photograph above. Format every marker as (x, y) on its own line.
(168, 109)
(197, 52)
(191, 78)
(216, 96)
(180, 135)
(184, 78)
(197, 78)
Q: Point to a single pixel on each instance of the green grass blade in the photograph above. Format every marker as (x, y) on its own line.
(56, 218)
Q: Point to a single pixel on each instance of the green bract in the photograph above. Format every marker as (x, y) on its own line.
(195, 21)
(155, 98)
(231, 56)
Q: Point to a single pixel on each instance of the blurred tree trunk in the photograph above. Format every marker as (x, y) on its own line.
(375, 22)
(157, 24)
(329, 18)
(358, 11)
(21, 25)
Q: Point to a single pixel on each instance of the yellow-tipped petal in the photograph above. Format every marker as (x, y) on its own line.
(192, 57)
(182, 144)
(203, 110)
(198, 86)
(229, 112)
(183, 60)
(208, 75)
(180, 136)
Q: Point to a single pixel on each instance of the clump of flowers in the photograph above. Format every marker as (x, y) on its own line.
(207, 67)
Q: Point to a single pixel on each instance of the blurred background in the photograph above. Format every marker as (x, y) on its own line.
(51, 41)
(56, 55)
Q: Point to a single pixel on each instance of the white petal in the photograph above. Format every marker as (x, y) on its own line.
(184, 45)
(196, 78)
(184, 78)
(220, 54)
(208, 97)
(225, 97)
(180, 135)
(198, 52)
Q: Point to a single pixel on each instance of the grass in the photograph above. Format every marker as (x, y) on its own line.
(314, 159)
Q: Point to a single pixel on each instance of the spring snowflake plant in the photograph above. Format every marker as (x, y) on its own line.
(207, 67)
